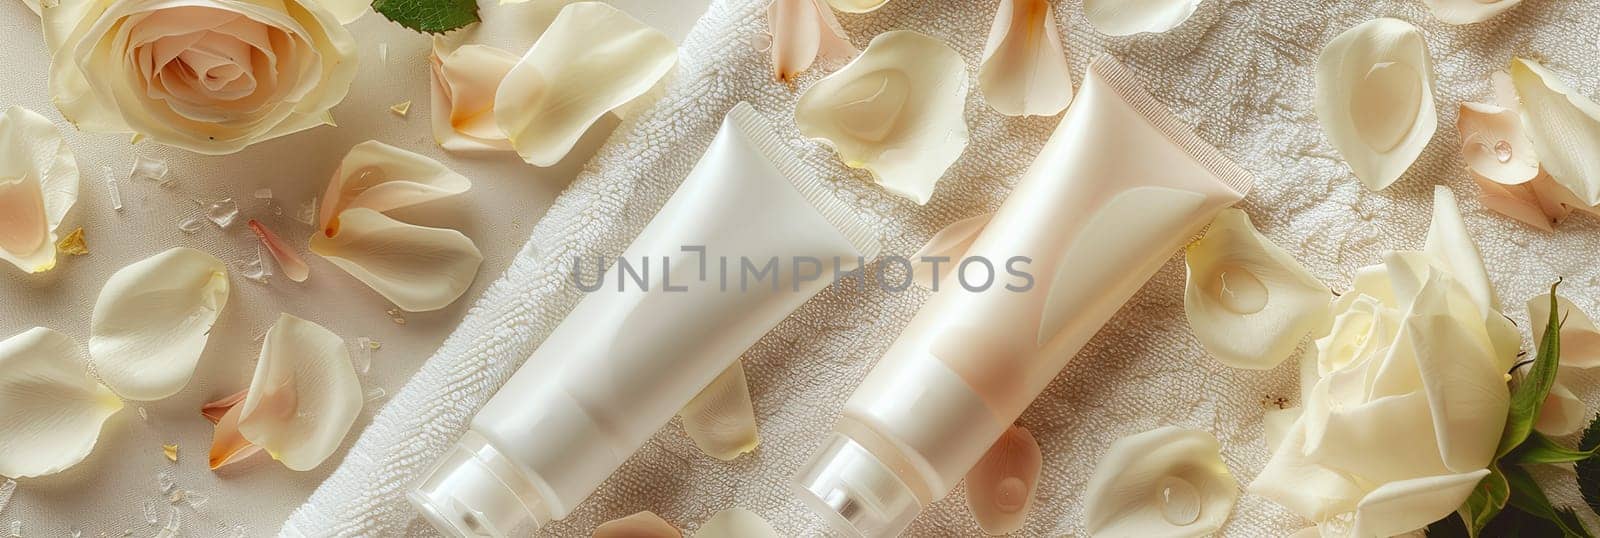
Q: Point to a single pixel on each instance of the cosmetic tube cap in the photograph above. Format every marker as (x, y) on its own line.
(474, 491)
(856, 492)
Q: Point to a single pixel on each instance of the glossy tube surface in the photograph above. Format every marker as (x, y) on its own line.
(637, 349)
(1120, 186)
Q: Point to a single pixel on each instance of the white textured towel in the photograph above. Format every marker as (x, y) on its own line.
(1241, 70)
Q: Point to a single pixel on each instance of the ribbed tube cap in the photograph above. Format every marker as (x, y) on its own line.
(474, 491)
(855, 492)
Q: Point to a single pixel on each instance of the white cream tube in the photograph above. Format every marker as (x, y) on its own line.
(636, 350)
(1120, 186)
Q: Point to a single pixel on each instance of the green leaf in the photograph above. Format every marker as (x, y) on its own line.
(1486, 501)
(1530, 393)
(1540, 449)
(429, 16)
(1528, 497)
(1589, 469)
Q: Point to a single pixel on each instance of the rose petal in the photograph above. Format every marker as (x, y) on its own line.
(1450, 244)
(951, 244)
(381, 177)
(1147, 478)
(1375, 98)
(736, 523)
(288, 260)
(857, 6)
(304, 396)
(417, 268)
(33, 5)
(1128, 17)
(639, 525)
(1494, 145)
(897, 110)
(1523, 202)
(1560, 121)
(1580, 339)
(593, 59)
(804, 32)
(347, 11)
(1024, 71)
(213, 411)
(228, 445)
(40, 185)
(1000, 488)
(1400, 507)
(1468, 11)
(1308, 489)
(51, 410)
(1462, 378)
(1276, 425)
(720, 419)
(1563, 413)
(464, 82)
(153, 319)
(1248, 301)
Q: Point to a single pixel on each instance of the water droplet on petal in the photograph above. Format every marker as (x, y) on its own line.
(1179, 500)
(1502, 151)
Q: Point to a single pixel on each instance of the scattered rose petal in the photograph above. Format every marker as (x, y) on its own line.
(38, 184)
(1580, 340)
(721, 420)
(1000, 487)
(1494, 146)
(416, 267)
(51, 410)
(950, 243)
(464, 85)
(1164, 482)
(603, 58)
(1128, 17)
(1541, 203)
(857, 6)
(897, 111)
(639, 525)
(1562, 123)
(288, 260)
(152, 321)
(228, 446)
(304, 396)
(1024, 71)
(73, 244)
(1248, 301)
(804, 32)
(1468, 11)
(736, 523)
(1375, 98)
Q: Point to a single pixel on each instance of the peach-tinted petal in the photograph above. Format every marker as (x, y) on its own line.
(464, 82)
(1000, 487)
(1494, 146)
(38, 185)
(417, 268)
(228, 446)
(639, 525)
(804, 32)
(1024, 71)
(304, 396)
(288, 260)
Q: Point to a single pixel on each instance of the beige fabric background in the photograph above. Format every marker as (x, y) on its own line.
(1241, 70)
(106, 493)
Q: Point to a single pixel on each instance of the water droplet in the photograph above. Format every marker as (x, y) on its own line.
(190, 225)
(112, 189)
(362, 357)
(150, 516)
(16, 528)
(1502, 151)
(398, 317)
(1179, 500)
(1240, 291)
(222, 212)
(1011, 494)
(376, 393)
(144, 415)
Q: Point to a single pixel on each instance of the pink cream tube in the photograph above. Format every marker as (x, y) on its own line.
(1120, 186)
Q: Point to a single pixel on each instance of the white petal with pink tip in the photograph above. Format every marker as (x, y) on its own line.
(304, 396)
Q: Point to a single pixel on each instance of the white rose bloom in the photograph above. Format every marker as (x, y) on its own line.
(210, 76)
(1407, 395)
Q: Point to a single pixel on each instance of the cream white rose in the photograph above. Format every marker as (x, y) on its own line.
(1407, 395)
(210, 76)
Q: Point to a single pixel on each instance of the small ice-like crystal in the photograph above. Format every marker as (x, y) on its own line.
(165, 482)
(263, 194)
(16, 528)
(6, 489)
(258, 269)
(362, 358)
(112, 188)
(376, 393)
(395, 315)
(239, 531)
(190, 225)
(174, 522)
(195, 499)
(222, 212)
(75, 532)
(383, 53)
(307, 214)
(144, 415)
(401, 109)
(150, 169)
(150, 516)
